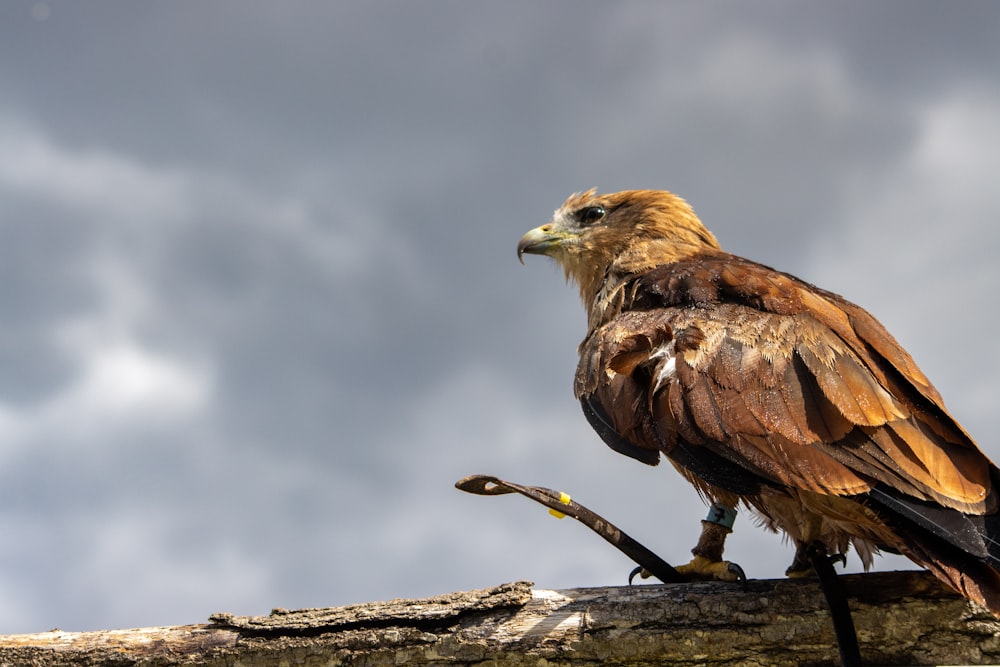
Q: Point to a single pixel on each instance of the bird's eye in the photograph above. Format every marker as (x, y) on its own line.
(591, 214)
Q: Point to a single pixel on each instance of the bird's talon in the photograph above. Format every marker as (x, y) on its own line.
(641, 571)
(738, 572)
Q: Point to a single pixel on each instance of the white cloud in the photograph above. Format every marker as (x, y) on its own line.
(941, 198)
(136, 207)
(118, 384)
(120, 380)
(31, 163)
(750, 71)
(917, 248)
(917, 226)
(741, 97)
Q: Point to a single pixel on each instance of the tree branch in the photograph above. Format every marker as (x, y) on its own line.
(902, 618)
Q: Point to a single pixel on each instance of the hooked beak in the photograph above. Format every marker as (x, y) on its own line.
(540, 241)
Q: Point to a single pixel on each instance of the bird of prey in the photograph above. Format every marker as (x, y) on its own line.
(768, 392)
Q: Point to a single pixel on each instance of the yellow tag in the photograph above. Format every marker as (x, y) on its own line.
(565, 500)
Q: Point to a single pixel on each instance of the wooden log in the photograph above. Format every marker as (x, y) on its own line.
(903, 618)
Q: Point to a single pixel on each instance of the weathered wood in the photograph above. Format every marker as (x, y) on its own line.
(902, 618)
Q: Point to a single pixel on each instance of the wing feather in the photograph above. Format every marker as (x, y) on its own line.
(795, 384)
(763, 425)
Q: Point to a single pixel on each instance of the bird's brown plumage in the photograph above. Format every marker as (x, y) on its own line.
(764, 389)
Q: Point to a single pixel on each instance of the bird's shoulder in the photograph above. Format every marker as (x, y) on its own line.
(714, 277)
(717, 285)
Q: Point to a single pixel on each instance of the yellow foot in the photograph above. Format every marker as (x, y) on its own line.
(802, 567)
(702, 569)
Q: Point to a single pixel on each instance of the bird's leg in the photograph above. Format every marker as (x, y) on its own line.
(803, 565)
(707, 563)
(806, 550)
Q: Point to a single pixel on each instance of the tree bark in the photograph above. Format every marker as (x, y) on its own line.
(903, 618)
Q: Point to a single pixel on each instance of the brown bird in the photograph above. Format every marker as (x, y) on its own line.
(766, 391)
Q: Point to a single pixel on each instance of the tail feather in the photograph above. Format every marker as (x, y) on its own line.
(963, 550)
(973, 578)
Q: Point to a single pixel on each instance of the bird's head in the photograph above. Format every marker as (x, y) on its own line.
(624, 232)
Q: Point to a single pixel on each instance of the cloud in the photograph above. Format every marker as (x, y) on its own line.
(94, 180)
(135, 206)
(916, 245)
(937, 196)
(121, 380)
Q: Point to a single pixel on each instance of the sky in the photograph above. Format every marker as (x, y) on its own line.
(262, 308)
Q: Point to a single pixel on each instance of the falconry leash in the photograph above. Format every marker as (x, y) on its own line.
(560, 505)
